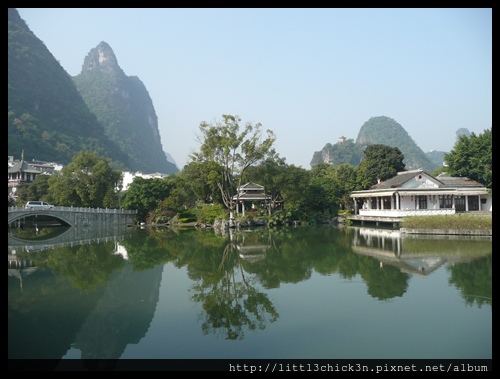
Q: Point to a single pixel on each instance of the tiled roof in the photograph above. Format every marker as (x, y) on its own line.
(251, 186)
(443, 180)
(398, 180)
(453, 181)
(22, 166)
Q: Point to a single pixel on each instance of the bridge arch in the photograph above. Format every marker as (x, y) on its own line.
(33, 214)
(76, 216)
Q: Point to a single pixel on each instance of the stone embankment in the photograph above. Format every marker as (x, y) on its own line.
(462, 232)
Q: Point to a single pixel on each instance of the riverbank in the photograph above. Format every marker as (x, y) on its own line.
(476, 224)
(462, 232)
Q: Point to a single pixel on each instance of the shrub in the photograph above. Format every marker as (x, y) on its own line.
(208, 213)
(455, 222)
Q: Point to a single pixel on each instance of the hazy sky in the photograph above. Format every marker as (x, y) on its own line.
(311, 75)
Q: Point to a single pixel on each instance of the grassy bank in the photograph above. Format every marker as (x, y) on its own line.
(452, 222)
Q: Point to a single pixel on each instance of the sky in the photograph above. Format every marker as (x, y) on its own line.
(311, 75)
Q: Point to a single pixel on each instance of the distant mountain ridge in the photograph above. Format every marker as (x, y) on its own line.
(379, 130)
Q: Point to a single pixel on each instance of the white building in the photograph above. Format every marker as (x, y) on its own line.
(413, 193)
(128, 177)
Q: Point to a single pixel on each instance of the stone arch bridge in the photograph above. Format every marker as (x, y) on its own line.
(75, 216)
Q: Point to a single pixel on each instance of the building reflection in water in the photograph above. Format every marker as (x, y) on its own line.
(417, 254)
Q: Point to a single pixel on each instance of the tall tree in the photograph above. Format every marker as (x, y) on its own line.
(146, 194)
(268, 174)
(294, 185)
(36, 190)
(381, 162)
(200, 180)
(234, 150)
(88, 181)
(472, 157)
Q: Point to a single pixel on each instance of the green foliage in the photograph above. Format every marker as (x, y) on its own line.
(383, 130)
(199, 181)
(343, 152)
(233, 151)
(88, 181)
(87, 267)
(208, 213)
(473, 279)
(129, 120)
(36, 190)
(380, 162)
(293, 183)
(472, 157)
(47, 117)
(145, 195)
(187, 215)
(283, 217)
(440, 170)
(345, 212)
(451, 222)
(348, 222)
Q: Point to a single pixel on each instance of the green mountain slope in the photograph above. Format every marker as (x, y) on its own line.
(386, 131)
(123, 106)
(378, 130)
(47, 117)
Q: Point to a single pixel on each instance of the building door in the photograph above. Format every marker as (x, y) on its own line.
(473, 203)
(460, 203)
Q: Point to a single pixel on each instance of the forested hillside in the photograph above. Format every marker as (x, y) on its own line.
(47, 117)
(378, 130)
(123, 106)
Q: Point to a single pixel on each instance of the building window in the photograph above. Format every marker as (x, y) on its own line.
(446, 201)
(422, 201)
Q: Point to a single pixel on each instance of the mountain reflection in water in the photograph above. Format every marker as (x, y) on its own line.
(187, 293)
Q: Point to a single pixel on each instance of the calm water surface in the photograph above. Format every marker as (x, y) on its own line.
(293, 293)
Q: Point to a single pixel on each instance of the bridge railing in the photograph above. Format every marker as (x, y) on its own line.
(80, 209)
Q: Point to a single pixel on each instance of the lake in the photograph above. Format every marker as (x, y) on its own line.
(313, 293)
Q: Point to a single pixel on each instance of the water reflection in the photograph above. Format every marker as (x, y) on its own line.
(101, 296)
(401, 255)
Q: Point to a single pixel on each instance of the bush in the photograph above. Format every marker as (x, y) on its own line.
(187, 215)
(208, 213)
(454, 222)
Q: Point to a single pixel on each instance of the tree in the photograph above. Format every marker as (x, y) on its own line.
(88, 181)
(471, 157)
(293, 183)
(234, 151)
(325, 190)
(380, 163)
(200, 180)
(38, 189)
(346, 176)
(146, 194)
(268, 174)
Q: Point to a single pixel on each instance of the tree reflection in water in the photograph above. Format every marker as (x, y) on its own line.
(230, 277)
(231, 303)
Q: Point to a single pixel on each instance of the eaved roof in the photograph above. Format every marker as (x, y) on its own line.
(444, 182)
(457, 181)
(401, 178)
(251, 191)
(23, 166)
(251, 186)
